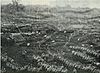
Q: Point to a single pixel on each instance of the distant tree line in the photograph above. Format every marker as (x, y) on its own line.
(13, 7)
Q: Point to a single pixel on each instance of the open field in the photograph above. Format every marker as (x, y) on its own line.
(58, 41)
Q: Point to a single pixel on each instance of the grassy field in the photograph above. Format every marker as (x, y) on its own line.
(58, 41)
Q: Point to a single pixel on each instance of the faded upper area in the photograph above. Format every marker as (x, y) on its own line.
(73, 3)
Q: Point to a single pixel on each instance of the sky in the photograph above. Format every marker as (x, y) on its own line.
(73, 3)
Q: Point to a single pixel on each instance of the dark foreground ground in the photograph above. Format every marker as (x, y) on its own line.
(62, 42)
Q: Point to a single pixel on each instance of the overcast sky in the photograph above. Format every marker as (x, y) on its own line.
(73, 3)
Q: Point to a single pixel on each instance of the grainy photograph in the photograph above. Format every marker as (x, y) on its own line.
(50, 36)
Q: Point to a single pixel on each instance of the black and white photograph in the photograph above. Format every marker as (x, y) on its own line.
(50, 36)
